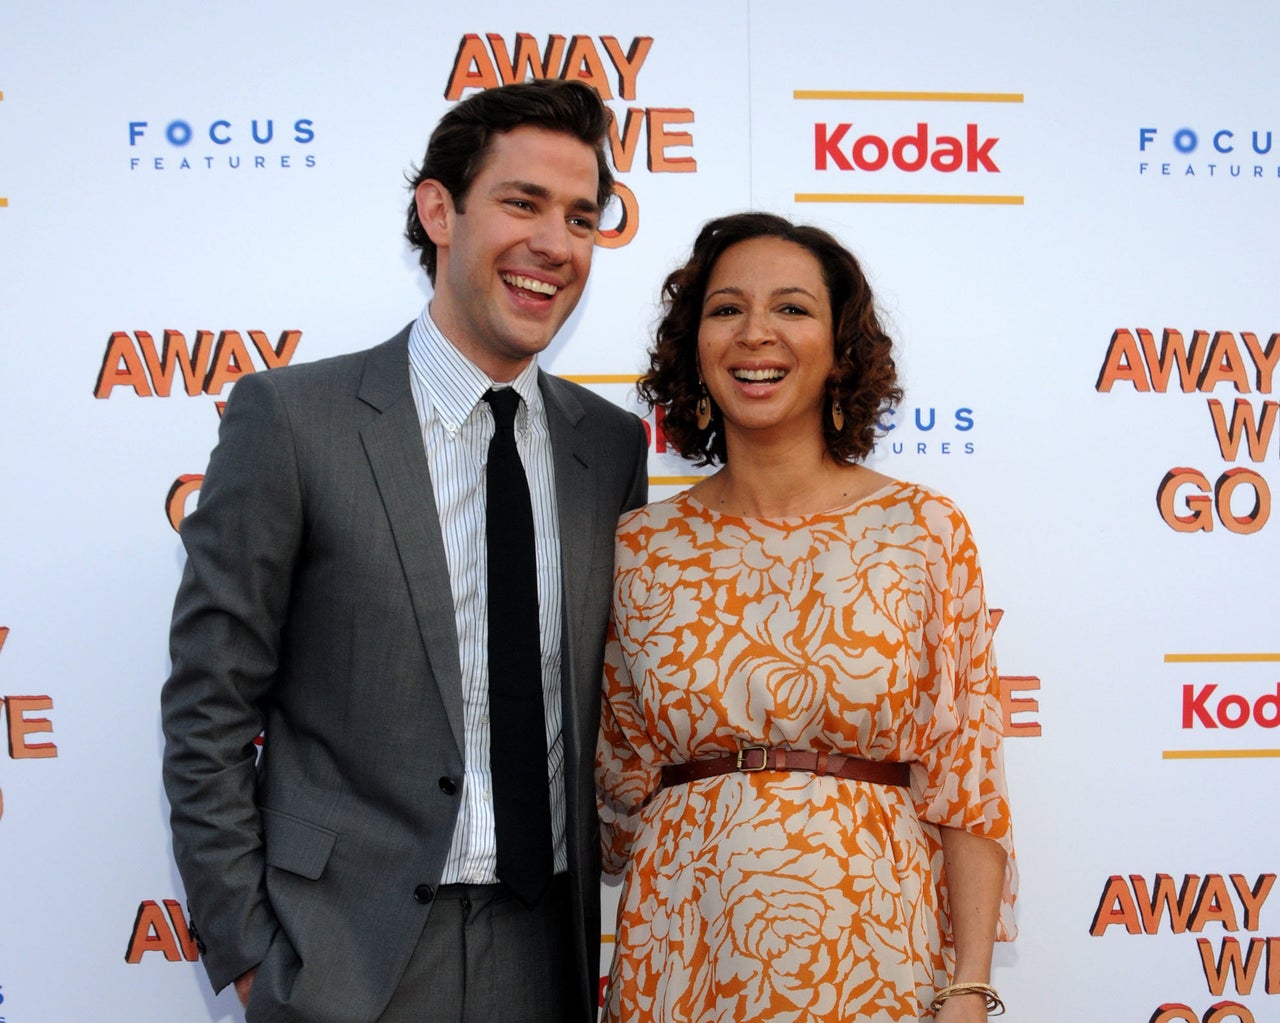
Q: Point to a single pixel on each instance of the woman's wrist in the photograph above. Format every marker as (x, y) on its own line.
(991, 1000)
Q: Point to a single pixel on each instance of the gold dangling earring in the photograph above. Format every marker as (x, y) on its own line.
(703, 409)
(837, 416)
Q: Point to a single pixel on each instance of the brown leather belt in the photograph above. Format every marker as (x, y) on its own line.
(775, 758)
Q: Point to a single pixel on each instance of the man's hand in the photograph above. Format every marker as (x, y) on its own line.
(243, 983)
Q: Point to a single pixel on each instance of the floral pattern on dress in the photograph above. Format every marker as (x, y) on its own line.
(791, 896)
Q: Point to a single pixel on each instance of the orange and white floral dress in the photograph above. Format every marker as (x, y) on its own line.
(792, 896)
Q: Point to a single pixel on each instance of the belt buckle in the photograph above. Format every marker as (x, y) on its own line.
(744, 750)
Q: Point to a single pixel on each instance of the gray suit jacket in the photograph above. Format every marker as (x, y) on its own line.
(315, 604)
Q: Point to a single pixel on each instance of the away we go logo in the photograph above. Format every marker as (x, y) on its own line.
(209, 364)
(26, 723)
(659, 135)
(1144, 362)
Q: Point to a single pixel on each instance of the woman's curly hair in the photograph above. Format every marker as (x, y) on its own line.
(864, 381)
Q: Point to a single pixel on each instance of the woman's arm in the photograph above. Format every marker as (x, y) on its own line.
(974, 868)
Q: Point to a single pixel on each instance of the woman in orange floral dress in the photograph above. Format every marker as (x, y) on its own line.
(800, 613)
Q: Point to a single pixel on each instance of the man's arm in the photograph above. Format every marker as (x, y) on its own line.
(242, 542)
(640, 473)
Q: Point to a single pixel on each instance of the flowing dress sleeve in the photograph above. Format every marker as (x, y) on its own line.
(959, 781)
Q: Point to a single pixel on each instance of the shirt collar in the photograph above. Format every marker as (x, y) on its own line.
(454, 385)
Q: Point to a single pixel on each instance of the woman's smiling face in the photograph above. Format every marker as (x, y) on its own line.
(765, 343)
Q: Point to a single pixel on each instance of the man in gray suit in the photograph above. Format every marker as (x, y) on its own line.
(335, 597)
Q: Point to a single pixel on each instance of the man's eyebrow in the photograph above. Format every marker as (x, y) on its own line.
(536, 191)
(527, 187)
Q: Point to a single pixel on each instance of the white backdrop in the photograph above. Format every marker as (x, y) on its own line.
(1113, 207)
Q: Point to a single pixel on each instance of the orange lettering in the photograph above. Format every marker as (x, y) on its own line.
(629, 63)
(1199, 516)
(21, 726)
(175, 503)
(181, 930)
(1011, 705)
(1264, 359)
(472, 68)
(1220, 1012)
(660, 140)
(151, 933)
(173, 355)
(1214, 906)
(1122, 362)
(1178, 902)
(584, 65)
(1252, 520)
(1223, 363)
(1255, 432)
(1174, 354)
(1116, 907)
(628, 222)
(279, 355)
(121, 367)
(526, 57)
(1243, 971)
(230, 362)
(623, 145)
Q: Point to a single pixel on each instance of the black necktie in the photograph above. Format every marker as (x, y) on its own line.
(517, 723)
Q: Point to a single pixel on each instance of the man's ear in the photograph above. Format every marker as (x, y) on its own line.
(435, 210)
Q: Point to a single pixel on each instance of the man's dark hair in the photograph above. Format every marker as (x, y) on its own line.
(459, 146)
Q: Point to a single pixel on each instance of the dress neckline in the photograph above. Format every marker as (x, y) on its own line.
(839, 511)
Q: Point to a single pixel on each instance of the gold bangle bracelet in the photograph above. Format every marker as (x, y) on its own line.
(995, 1007)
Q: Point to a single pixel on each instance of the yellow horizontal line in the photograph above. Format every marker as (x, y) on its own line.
(1218, 754)
(3, 201)
(608, 939)
(938, 97)
(1220, 658)
(602, 378)
(967, 200)
(675, 481)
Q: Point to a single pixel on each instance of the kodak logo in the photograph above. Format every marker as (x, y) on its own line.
(833, 148)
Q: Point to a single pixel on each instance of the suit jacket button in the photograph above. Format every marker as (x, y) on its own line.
(423, 894)
(448, 786)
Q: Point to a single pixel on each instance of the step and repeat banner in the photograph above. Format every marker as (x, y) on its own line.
(1069, 215)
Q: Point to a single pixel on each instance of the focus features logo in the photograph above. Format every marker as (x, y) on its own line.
(1218, 153)
(221, 144)
(927, 430)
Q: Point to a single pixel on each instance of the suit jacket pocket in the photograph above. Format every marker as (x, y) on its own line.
(296, 845)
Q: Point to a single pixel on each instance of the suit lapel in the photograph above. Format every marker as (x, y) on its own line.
(576, 510)
(393, 444)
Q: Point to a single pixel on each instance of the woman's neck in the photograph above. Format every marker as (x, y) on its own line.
(784, 481)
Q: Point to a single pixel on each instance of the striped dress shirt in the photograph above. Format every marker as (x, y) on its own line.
(457, 426)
